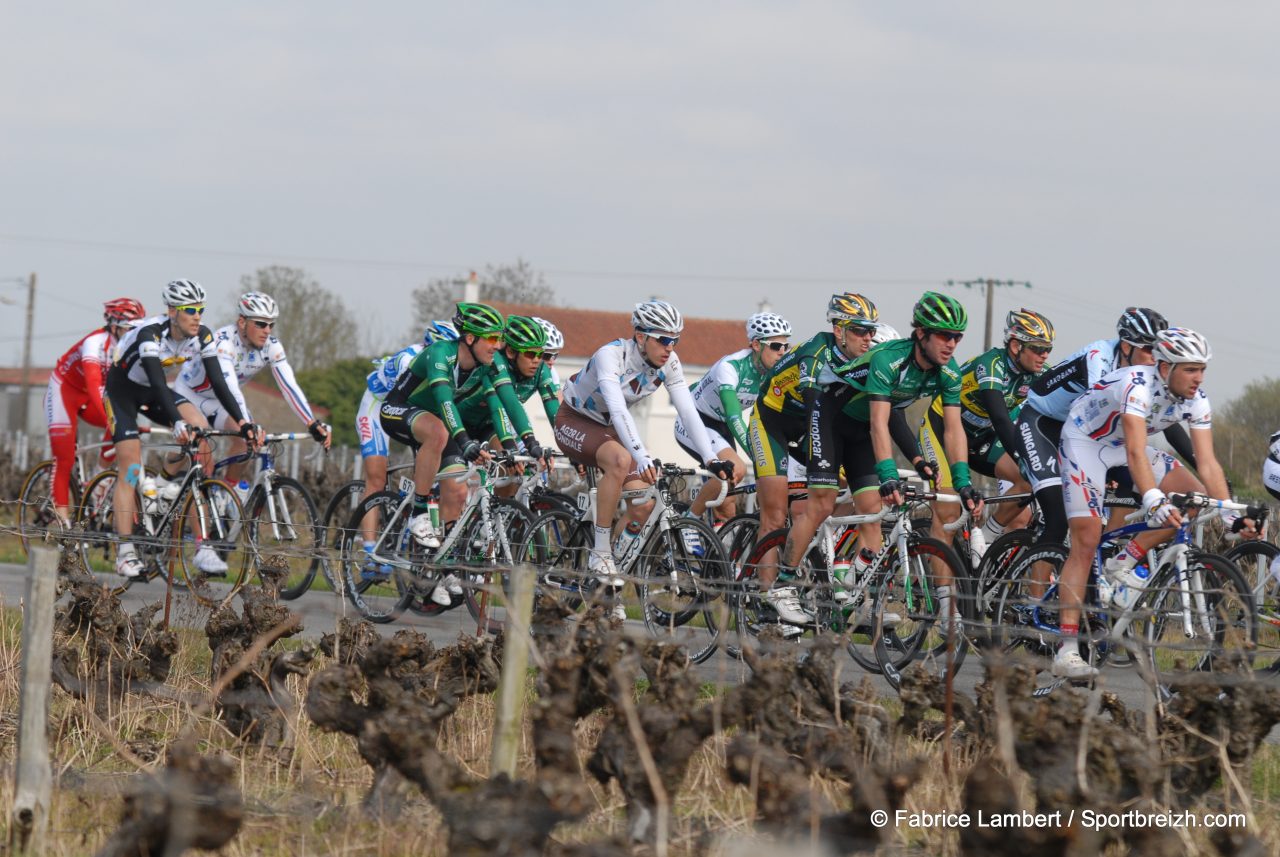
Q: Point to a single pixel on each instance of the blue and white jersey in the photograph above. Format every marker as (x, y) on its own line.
(622, 362)
(387, 370)
(240, 362)
(1136, 391)
(1053, 391)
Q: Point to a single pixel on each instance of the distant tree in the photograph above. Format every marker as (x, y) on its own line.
(338, 387)
(517, 284)
(315, 325)
(1241, 431)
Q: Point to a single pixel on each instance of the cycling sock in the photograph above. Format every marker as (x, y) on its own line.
(993, 529)
(1069, 633)
(602, 540)
(420, 503)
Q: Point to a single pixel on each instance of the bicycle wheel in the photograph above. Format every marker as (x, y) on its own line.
(542, 501)
(380, 595)
(998, 563)
(557, 545)
(36, 513)
(1254, 559)
(738, 537)
(1202, 623)
(488, 553)
(94, 524)
(683, 588)
(209, 533)
(282, 526)
(908, 606)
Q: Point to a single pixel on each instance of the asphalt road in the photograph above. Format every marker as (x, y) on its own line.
(321, 611)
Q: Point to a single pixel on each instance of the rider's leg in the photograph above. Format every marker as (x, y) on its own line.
(124, 501)
(771, 495)
(375, 479)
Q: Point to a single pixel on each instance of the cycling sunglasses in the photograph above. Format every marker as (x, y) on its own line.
(491, 338)
(1041, 350)
(550, 356)
(948, 335)
(859, 329)
(262, 325)
(784, 347)
(191, 309)
(667, 341)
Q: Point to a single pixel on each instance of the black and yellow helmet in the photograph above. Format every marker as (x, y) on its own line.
(1027, 325)
(936, 311)
(478, 319)
(849, 308)
(525, 334)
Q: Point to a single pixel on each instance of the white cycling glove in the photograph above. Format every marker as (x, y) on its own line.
(181, 431)
(1156, 506)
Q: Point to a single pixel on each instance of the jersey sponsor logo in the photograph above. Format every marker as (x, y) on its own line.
(366, 429)
(571, 437)
(394, 410)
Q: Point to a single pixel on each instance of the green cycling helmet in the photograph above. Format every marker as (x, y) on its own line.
(479, 319)
(937, 311)
(525, 334)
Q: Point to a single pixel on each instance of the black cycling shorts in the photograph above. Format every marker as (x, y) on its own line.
(124, 399)
(837, 441)
(1040, 436)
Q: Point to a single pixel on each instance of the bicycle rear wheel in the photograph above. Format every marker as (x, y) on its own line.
(486, 556)
(36, 513)
(557, 545)
(1254, 559)
(95, 522)
(1000, 561)
(282, 527)
(380, 595)
(683, 593)
(333, 524)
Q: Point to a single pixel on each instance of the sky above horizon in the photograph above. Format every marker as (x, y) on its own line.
(714, 154)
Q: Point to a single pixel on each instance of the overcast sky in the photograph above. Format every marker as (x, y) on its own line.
(716, 154)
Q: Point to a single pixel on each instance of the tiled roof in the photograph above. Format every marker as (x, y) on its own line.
(703, 342)
(39, 375)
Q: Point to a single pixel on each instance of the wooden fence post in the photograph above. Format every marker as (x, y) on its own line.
(509, 709)
(34, 779)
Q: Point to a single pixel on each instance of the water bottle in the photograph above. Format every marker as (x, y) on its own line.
(977, 545)
(626, 542)
(433, 512)
(840, 571)
(150, 496)
(1131, 587)
(242, 488)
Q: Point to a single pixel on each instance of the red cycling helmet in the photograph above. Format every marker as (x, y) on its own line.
(123, 309)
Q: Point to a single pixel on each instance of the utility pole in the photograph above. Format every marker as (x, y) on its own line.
(989, 285)
(25, 401)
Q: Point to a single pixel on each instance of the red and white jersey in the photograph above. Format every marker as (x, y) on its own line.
(92, 352)
(1136, 391)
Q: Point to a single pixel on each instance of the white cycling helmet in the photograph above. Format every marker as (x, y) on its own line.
(884, 333)
(763, 325)
(555, 339)
(658, 316)
(183, 293)
(258, 305)
(1181, 345)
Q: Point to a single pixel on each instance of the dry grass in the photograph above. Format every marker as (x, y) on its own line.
(310, 804)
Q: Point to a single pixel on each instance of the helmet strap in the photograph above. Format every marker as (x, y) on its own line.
(922, 356)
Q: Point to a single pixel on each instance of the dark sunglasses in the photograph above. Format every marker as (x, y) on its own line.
(262, 325)
(550, 356)
(859, 330)
(784, 347)
(668, 341)
(948, 335)
(191, 309)
(1041, 350)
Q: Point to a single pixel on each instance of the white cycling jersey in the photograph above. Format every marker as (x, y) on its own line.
(616, 377)
(1054, 391)
(240, 361)
(152, 337)
(387, 370)
(1136, 391)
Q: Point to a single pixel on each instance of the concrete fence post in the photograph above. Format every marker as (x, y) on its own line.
(33, 790)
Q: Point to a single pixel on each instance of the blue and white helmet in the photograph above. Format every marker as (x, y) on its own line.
(555, 339)
(763, 325)
(439, 331)
(656, 315)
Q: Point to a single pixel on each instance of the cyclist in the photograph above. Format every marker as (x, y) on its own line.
(1048, 405)
(423, 411)
(374, 448)
(730, 385)
(519, 370)
(594, 427)
(75, 391)
(1108, 427)
(244, 349)
(555, 344)
(136, 382)
(856, 422)
(780, 427)
(992, 387)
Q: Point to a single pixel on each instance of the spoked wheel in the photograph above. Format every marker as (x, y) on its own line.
(1207, 625)
(379, 591)
(1254, 559)
(684, 596)
(921, 610)
(486, 558)
(557, 545)
(993, 573)
(209, 531)
(282, 529)
(94, 523)
(738, 538)
(36, 513)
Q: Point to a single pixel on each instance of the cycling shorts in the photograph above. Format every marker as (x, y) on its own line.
(1085, 462)
(124, 400)
(774, 437)
(1040, 438)
(208, 405)
(373, 440)
(839, 442)
(581, 437)
(983, 453)
(717, 432)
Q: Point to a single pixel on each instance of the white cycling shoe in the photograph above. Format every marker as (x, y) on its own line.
(422, 531)
(129, 566)
(604, 571)
(618, 612)
(448, 587)
(209, 563)
(785, 601)
(1068, 664)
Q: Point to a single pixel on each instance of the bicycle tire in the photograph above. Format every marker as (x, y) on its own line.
(738, 536)
(298, 527)
(378, 599)
(94, 523)
(999, 562)
(920, 610)
(337, 513)
(1254, 559)
(683, 589)
(35, 502)
(211, 518)
(1226, 632)
(557, 545)
(511, 521)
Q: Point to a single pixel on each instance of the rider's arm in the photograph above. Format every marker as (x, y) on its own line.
(222, 371)
(992, 401)
(682, 399)
(880, 410)
(508, 401)
(1177, 437)
(91, 364)
(733, 415)
(956, 444)
(1135, 450)
(287, 383)
(902, 435)
(549, 390)
(620, 419)
(155, 377)
(500, 416)
(1211, 472)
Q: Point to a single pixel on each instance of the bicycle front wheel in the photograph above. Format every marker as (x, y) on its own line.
(1202, 621)
(557, 545)
(282, 530)
(684, 588)
(378, 590)
(1254, 559)
(209, 532)
(333, 523)
(484, 554)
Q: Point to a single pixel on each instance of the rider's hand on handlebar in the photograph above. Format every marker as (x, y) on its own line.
(971, 499)
(891, 492)
(181, 432)
(928, 470)
(649, 472)
(722, 469)
(474, 452)
(321, 433)
(252, 434)
(1159, 511)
